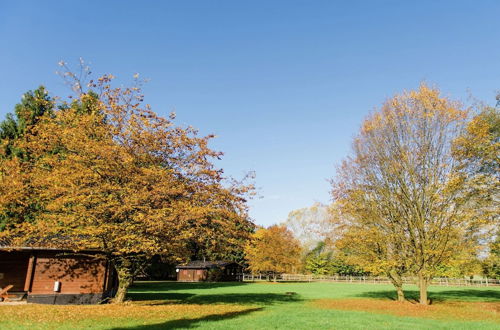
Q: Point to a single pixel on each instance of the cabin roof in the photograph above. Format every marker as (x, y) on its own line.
(200, 264)
(34, 248)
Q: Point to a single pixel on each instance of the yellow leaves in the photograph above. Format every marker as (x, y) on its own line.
(400, 193)
(112, 174)
(273, 250)
(147, 312)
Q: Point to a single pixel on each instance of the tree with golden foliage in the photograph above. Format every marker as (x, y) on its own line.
(273, 250)
(478, 153)
(401, 196)
(114, 176)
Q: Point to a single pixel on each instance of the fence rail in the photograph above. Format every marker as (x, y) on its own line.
(444, 281)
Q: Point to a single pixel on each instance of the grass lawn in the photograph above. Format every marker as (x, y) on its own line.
(170, 305)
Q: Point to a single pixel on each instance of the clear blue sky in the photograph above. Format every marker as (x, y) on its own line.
(283, 84)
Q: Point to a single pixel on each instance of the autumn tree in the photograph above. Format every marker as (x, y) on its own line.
(491, 265)
(222, 238)
(17, 196)
(310, 225)
(116, 177)
(374, 244)
(401, 195)
(478, 152)
(273, 250)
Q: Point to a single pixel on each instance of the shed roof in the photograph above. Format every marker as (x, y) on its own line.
(200, 264)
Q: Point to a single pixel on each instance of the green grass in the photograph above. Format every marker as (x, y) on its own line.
(170, 305)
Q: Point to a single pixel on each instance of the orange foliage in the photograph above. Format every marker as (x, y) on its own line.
(466, 311)
(273, 250)
(112, 175)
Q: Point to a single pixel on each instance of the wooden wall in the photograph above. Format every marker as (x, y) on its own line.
(76, 274)
(192, 275)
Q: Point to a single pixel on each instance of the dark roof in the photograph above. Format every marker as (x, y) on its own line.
(200, 264)
(35, 248)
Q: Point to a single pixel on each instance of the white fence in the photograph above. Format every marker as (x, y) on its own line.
(368, 279)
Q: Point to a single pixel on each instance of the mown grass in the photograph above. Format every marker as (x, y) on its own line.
(170, 305)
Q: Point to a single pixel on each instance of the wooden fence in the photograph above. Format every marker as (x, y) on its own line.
(445, 281)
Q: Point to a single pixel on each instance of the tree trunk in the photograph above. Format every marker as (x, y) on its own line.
(423, 283)
(397, 281)
(125, 280)
(400, 292)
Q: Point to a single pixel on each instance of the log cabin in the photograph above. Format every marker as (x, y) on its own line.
(211, 271)
(54, 276)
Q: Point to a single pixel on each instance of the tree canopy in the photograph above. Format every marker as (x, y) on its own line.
(114, 176)
(273, 250)
(401, 197)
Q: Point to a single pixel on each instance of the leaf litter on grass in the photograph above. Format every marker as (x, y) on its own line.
(449, 310)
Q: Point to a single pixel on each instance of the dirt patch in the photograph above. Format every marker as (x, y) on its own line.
(466, 311)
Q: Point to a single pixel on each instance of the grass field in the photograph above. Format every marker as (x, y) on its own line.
(170, 305)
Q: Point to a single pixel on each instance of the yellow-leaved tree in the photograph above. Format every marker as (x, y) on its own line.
(401, 196)
(114, 176)
(273, 251)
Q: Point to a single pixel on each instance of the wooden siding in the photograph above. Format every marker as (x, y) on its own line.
(77, 275)
(191, 275)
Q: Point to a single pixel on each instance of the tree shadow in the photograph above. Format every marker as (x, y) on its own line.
(439, 296)
(163, 298)
(187, 323)
(173, 285)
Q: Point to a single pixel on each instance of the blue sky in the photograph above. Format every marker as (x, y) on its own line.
(283, 84)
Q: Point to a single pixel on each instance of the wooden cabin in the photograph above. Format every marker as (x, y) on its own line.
(211, 271)
(53, 276)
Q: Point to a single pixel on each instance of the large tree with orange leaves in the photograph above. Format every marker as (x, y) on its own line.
(273, 250)
(114, 176)
(401, 195)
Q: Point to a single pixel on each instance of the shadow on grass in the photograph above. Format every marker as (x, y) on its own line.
(173, 285)
(186, 323)
(438, 296)
(161, 298)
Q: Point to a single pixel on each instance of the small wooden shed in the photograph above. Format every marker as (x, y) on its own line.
(199, 271)
(54, 276)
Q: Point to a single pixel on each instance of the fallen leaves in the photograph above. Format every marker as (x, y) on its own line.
(466, 311)
(150, 311)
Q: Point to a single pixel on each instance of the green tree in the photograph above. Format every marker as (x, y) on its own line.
(318, 261)
(491, 265)
(23, 205)
(33, 106)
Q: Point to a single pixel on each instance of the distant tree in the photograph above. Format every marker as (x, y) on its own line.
(478, 153)
(318, 261)
(491, 265)
(402, 192)
(227, 236)
(373, 248)
(116, 177)
(273, 250)
(310, 225)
